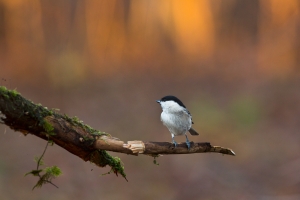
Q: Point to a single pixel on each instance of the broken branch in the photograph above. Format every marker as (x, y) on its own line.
(79, 139)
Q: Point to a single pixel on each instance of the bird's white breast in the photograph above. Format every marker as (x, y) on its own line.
(175, 117)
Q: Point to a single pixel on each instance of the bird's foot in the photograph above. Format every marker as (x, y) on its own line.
(175, 143)
(188, 144)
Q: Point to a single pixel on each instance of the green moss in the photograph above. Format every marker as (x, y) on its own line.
(3, 89)
(77, 122)
(76, 119)
(48, 128)
(154, 158)
(4, 92)
(39, 160)
(102, 158)
(54, 171)
(35, 172)
(8, 93)
(45, 175)
(14, 93)
(99, 133)
(6, 96)
(99, 157)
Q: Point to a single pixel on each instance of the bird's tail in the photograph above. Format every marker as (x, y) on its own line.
(193, 132)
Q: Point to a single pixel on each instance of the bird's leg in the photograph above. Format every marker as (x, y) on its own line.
(173, 140)
(187, 142)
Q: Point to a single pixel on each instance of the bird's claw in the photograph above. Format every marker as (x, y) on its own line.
(188, 144)
(175, 144)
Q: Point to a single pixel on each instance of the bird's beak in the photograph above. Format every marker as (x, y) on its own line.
(158, 101)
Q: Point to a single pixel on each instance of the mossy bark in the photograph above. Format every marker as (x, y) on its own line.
(23, 115)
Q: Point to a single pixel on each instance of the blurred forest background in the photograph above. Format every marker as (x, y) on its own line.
(235, 65)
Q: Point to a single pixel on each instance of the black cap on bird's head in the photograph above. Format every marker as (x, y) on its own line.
(171, 98)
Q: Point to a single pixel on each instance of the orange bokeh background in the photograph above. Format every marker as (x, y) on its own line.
(235, 65)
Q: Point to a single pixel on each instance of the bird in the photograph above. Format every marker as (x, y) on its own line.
(176, 118)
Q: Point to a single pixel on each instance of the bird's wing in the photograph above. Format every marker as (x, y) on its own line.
(189, 115)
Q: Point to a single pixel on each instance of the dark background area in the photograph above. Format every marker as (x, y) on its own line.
(234, 64)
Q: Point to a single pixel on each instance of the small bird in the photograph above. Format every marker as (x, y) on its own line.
(176, 118)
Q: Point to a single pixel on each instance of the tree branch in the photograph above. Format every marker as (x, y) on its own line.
(79, 139)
